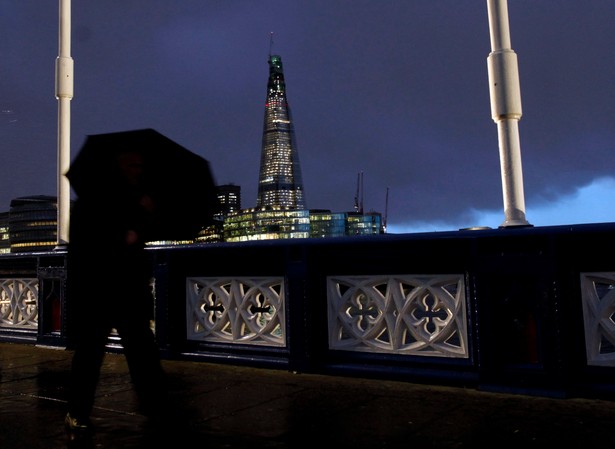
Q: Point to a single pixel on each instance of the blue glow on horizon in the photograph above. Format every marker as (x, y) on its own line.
(593, 203)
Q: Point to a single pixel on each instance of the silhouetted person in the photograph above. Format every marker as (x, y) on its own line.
(109, 287)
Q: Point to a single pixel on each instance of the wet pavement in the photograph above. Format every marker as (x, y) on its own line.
(224, 406)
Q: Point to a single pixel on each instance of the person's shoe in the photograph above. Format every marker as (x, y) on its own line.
(76, 425)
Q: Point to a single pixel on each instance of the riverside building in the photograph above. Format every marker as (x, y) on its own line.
(32, 224)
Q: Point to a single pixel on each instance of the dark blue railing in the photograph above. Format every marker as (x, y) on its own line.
(523, 310)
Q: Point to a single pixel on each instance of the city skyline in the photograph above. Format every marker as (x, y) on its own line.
(397, 91)
(281, 211)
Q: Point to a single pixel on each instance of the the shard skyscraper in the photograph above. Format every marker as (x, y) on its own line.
(281, 211)
(280, 183)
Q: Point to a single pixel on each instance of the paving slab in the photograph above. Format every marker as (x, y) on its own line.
(227, 406)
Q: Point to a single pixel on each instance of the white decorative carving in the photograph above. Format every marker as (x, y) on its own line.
(598, 298)
(236, 310)
(399, 314)
(19, 303)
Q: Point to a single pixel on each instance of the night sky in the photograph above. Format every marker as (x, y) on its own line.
(397, 90)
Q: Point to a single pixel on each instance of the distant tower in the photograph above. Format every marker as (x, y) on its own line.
(229, 196)
(280, 183)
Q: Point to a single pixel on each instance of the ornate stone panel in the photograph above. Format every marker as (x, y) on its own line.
(398, 314)
(598, 298)
(246, 310)
(19, 303)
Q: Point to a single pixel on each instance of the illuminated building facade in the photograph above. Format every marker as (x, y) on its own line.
(280, 211)
(279, 223)
(360, 223)
(324, 223)
(5, 246)
(267, 223)
(280, 183)
(33, 222)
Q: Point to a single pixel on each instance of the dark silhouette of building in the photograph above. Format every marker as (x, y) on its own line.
(229, 196)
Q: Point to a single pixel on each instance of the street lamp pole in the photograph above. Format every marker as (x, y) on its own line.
(64, 94)
(505, 95)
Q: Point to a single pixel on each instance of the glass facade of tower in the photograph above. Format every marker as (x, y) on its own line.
(364, 223)
(324, 223)
(266, 224)
(280, 183)
(280, 211)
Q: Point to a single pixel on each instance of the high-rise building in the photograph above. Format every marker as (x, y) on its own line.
(280, 211)
(280, 183)
(229, 196)
(229, 199)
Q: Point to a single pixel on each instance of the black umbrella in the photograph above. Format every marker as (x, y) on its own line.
(179, 181)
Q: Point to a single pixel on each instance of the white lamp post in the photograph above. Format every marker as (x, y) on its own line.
(506, 112)
(64, 93)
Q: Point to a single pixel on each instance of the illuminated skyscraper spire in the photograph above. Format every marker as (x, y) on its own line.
(280, 182)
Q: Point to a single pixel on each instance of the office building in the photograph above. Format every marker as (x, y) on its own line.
(324, 223)
(33, 222)
(280, 183)
(280, 211)
(5, 245)
(229, 199)
(364, 223)
(229, 196)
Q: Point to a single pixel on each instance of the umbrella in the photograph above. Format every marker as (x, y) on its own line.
(179, 181)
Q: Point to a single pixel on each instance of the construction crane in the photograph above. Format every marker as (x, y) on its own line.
(386, 212)
(358, 198)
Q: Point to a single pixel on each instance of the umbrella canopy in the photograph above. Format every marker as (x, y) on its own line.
(179, 181)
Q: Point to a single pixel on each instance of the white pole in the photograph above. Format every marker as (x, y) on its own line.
(64, 93)
(506, 111)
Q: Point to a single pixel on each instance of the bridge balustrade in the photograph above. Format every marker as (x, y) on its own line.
(522, 310)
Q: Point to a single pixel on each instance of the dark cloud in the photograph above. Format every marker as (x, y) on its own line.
(397, 90)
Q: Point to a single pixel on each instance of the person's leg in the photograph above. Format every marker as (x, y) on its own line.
(89, 352)
(142, 353)
(143, 358)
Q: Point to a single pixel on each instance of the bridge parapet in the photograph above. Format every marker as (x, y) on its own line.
(526, 310)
